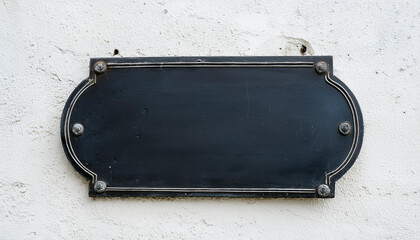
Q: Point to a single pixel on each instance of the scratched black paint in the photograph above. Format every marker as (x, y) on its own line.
(218, 127)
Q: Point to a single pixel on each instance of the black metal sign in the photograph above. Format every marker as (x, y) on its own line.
(212, 126)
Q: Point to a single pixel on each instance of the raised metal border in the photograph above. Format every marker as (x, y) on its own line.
(113, 63)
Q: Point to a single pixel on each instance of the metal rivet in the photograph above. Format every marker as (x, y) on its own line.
(100, 67)
(99, 186)
(321, 67)
(77, 129)
(323, 190)
(345, 128)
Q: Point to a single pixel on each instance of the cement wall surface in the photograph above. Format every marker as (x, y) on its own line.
(45, 48)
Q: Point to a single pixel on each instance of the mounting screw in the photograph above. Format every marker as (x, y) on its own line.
(99, 187)
(323, 190)
(321, 67)
(100, 67)
(345, 128)
(77, 129)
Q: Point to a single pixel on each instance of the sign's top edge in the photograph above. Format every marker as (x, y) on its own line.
(205, 60)
(326, 58)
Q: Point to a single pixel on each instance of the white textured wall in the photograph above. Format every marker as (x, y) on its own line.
(45, 48)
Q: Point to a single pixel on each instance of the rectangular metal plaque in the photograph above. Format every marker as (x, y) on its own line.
(212, 126)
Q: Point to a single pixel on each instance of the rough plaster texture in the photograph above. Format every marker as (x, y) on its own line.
(45, 48)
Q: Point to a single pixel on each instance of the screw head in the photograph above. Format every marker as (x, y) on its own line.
(321, 67)
(323, 190)
(345, 128)
(99, 186)
(100, 67)
(77, 129)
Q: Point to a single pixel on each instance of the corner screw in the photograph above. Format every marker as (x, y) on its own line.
(99, 187)
(77, 129)
(321, 67)
(345, 128)
(100, 67)
(323, 190)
